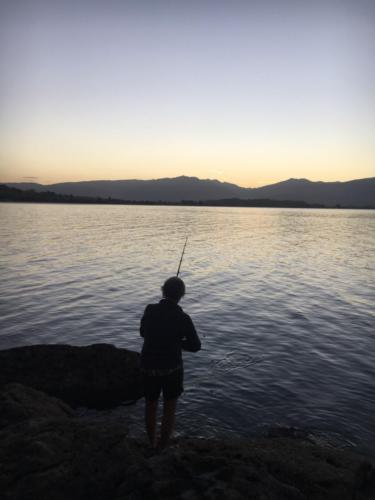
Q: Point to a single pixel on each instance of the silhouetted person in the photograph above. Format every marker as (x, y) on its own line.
(166, 330)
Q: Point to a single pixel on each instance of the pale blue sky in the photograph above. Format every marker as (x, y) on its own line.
(247, 92)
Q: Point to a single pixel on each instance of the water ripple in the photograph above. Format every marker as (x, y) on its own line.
(282, 298)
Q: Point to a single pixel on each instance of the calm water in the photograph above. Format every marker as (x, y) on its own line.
(282, 298)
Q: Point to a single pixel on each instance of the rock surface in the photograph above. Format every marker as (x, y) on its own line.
(96, 376)
(47, 453)
(53, 455)
(259, 469)
(19, 403)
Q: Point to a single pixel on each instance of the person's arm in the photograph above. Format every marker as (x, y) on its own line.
(191, 341)
(144, 321)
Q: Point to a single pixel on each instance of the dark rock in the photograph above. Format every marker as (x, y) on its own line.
(66, 458)
(48, 453)
(18, 403)
(63, 459)
(260, 469)
(96, 376)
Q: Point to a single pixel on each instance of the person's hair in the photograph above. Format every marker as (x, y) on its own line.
(173, 288)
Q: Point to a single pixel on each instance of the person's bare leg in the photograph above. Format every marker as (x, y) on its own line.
(151, 410)
(167, 423)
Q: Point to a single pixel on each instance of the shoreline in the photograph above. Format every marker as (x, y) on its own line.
(45, 447)
(182, 204)
(15, 195)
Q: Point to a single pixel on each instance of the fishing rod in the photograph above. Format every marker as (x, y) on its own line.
(182, 256)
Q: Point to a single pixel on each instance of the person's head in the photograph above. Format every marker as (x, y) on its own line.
(173, 288)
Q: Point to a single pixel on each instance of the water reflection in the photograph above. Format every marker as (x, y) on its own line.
(282, 298)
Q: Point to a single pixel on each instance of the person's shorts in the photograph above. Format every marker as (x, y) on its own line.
(171, 385)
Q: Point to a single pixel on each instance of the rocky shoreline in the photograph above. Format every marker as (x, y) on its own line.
(96, 376)
(47, 452)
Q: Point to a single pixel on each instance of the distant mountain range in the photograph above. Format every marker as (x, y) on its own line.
(354, 193)
(12, 194)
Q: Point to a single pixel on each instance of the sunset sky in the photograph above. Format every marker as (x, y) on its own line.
(250, 92)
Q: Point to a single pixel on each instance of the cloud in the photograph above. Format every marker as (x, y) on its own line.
(30, 177)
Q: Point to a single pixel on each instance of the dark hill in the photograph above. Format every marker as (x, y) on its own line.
(359, 192)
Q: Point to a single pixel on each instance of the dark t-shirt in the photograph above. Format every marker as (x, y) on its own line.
(166, 330)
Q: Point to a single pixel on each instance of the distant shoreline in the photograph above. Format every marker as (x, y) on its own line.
(14, 195)
(183, 204)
